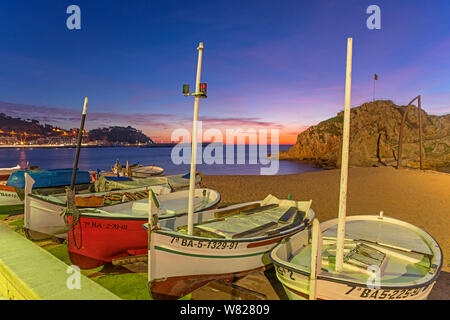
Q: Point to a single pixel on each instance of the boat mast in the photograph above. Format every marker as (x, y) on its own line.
(80, 137)
(344, 162)
(194, 143)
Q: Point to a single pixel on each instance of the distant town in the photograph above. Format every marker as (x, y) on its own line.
(16, 132)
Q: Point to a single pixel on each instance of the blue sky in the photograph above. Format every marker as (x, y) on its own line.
(274, 64)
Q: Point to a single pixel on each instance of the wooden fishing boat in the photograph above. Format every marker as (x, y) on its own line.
(6, 172)
(226, 244)
(44, 213)
(384, 259)
(100, 235)
(365, 257)
(134, 170)
(146, 171)
(47, 182)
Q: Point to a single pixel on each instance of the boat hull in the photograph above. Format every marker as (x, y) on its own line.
(6, 172)
(45, 218)
(330, 285)
(202, 260)
(10, 202)
(297, 287)
(97, 238)
(95, 241)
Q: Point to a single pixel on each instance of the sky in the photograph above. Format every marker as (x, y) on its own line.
(268, 64)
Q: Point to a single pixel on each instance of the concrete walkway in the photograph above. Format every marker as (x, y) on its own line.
(30, 272)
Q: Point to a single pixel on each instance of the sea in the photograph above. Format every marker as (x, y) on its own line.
(102, 158)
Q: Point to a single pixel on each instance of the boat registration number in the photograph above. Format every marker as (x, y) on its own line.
(286, 273)
(9, 195)
(381, 294)
(207, 244)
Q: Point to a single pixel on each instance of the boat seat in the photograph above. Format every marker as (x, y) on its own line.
(288, 216)
(362, 257)
(279, 230)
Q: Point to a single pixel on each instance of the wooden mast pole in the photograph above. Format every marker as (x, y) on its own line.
(194, 144)
(344, 162)
(420, 131)
(80, 137)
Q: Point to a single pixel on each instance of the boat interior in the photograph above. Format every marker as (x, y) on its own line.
(86, 199)
(398, 254)
(266, 218)
(171, 205)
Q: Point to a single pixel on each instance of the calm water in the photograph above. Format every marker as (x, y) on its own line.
(103, 158)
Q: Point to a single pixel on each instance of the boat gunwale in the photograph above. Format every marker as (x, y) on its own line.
(95, 213)
(287, 265)
(42, 197)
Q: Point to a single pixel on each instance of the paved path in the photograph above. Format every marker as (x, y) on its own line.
(29, 272)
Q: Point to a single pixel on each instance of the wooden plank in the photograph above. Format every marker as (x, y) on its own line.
(130, 260)
(288, 215)
(231, 212)
(259, 209)
(254, 231)
(284, 228)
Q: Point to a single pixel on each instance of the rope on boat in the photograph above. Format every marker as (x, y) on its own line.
(72, 210)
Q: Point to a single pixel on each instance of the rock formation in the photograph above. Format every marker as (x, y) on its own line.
(374, 135)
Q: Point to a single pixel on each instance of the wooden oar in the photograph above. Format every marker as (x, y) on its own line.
(80, 137)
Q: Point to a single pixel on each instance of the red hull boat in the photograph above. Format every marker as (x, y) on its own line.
(102, 235)
(94, 241)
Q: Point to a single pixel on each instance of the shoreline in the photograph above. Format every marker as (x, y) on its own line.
(43, 146)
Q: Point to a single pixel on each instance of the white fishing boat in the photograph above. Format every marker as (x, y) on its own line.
(134, 170)
(43, 213)
(218, 244)
(226, 243)
(384, 259)
(363, 257)
(146, 171)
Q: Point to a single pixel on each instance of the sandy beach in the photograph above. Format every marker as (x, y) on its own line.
(419, 197)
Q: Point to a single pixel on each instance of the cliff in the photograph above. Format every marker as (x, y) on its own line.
(374, 135)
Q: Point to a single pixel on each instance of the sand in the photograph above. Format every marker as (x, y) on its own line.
(419, 197)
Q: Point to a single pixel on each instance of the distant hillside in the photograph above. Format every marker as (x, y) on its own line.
(374, 138)
(32, 130)
(119, 135)
(9, 125)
